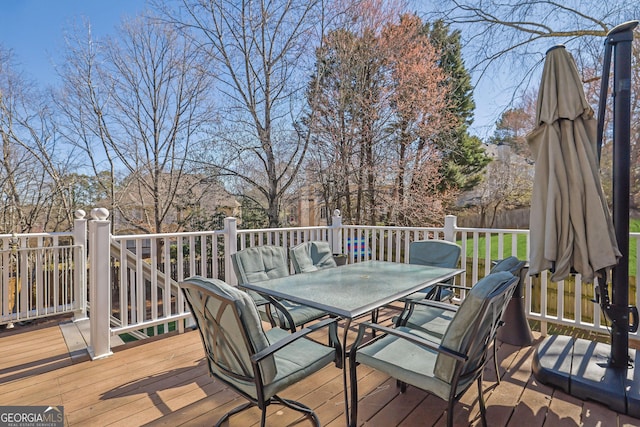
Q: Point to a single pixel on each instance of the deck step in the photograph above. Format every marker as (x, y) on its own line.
(77, 337)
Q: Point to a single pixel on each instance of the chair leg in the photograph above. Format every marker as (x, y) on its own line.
(234, 411)
(374, 319)
(297, 406)
(263, 417)
(483, 408)
(495, 360)
(353, 417)
(450, 412)
(292, 404)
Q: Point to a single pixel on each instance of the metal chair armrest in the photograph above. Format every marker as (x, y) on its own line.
(422, 342)
(436, 304)
(268, 351)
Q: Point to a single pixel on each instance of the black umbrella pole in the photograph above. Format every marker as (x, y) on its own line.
(621, 38)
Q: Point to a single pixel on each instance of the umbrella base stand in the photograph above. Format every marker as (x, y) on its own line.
(581, 369)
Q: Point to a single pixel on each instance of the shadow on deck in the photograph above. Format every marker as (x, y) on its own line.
(165, 382)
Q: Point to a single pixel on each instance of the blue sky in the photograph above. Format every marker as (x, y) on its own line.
(34, 29)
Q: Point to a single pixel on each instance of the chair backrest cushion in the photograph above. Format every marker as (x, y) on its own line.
(511, 264)
(260, 263)
(473, 320)
(436, 253)
(311, 256)
(230, 328)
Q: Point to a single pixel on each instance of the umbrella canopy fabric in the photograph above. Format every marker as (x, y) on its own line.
(571, 227)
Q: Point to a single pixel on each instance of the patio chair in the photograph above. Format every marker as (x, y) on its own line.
(256, 364)
(260, 263)
(435, 253)
(311, 256)
(445, 368)
(434, 318)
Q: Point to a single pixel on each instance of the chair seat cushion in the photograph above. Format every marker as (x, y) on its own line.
(433, 321)
(257, 298)
(405, 361)
(301, 314)
(296, 361)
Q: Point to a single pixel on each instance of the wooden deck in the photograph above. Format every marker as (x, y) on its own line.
(165, 382)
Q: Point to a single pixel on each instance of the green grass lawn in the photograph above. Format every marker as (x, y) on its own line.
(507, 246)
(552, 288)
(634, 227)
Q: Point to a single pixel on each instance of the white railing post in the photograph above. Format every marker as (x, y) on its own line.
(79, 265)
(450, 227)
(100, 284)
(231, 247)
(336, 232)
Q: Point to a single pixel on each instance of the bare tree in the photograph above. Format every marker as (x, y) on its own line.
(261, 48)
(347, 100)
(82, 102)
(515, 32)
(516, 35)
(136, 103)
(381, 98)
(507, 185)
(506, 41)
(33, 166)
(420, 104)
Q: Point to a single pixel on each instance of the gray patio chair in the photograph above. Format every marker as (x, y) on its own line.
(256, 364)
(311, 256)
(435, 253)
(445, 368)
(260, 263)
(434, 318)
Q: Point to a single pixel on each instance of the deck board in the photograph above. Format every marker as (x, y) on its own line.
(165, 383)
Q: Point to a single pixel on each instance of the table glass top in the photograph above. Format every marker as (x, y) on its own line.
(354, 289)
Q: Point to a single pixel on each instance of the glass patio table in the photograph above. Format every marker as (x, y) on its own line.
(353, 290)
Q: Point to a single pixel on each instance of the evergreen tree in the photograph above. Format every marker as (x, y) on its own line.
(464, 157)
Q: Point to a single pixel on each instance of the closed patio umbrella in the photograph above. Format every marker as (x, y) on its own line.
(571, 227)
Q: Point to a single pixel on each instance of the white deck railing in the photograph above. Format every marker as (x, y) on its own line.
(134, 278)
(42, 274)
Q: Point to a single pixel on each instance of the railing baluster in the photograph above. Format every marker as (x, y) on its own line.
(154, 279)
(124, 285)
(55, 266)
(560, 306)
(141, 288)
(487, 253)
(474, 269)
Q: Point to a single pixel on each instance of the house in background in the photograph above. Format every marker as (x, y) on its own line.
(307, 208)
(200, 202)
(502, 199)
(310, 211)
